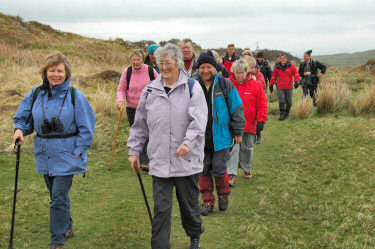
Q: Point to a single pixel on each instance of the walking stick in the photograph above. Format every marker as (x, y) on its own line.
(144, 195)
(15, 192)
(114, 141)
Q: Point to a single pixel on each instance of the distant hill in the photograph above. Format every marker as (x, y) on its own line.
(346, 59)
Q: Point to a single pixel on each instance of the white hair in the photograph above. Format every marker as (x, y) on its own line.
(171, 49)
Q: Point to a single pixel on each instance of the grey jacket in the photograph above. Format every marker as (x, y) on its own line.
(169, 120)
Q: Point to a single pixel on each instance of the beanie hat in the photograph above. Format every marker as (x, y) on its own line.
(206, 57)
(260, 55)
(308, 52)
(152, 48)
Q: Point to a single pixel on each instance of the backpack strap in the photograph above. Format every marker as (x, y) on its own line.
(191, 82)
(73, 90)
(128, 76)
(150, 73)
(224, 90)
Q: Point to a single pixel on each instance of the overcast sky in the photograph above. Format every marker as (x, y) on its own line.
(326, 27)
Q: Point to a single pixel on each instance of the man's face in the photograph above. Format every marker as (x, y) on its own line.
(259, 60)
(230, 51)
(283, 60)
(187, 50)
(306, 57)
(207, 72)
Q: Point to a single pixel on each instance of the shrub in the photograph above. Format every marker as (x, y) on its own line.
(332, 97)
(302, 110)
(367, 104)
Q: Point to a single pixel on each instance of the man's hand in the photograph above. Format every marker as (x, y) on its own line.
(183, 150)
(319, 75)
(238, 139)
(134, 162)
(271, 88)
(296, 85)
(260, 126)
(18, 134)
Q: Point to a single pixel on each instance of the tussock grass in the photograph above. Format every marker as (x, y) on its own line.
(332, 97)
(302, 110)
(367, 103)
(103, 101)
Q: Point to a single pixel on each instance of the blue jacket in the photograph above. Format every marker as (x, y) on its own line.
(55, 156)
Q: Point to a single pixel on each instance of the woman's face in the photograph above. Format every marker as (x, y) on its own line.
(136, 61)
(240, 76)
(168, 67)
(56, 75)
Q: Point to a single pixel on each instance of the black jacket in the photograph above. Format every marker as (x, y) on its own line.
(265, 69)
(314, 66)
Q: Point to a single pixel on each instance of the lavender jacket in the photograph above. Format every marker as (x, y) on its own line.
(169, 120)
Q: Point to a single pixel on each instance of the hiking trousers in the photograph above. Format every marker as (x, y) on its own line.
(242, 154)
(285, 97)
(187, 194)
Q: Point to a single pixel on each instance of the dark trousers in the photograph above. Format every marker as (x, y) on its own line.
(60, 220)
(285, 97)
(143, 158)
(187, 193)
(309, 89)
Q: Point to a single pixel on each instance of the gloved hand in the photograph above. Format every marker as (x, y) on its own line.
(271, 88)
(260, 126)
(296, 84)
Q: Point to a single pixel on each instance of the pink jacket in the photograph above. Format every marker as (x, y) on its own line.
(138, 80)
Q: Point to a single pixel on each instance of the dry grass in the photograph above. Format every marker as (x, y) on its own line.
(103, 101)
(302, 110)
(367, 104)
(332, 96)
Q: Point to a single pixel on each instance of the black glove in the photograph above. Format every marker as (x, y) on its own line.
(271, 88)
(296, 84)
(260, 126)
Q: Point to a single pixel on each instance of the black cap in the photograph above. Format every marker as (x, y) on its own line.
(206, 57)
(308, 52)
(260, 55)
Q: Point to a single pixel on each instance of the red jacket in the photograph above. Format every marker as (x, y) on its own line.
(260, 78)
(283, 75)
(254, 102)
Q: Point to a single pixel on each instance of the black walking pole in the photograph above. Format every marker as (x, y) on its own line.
(15, 192)
(144, 195)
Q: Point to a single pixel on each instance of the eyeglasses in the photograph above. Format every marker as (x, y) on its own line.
(165, 63)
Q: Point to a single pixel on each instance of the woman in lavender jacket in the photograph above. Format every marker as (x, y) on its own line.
(172, 113)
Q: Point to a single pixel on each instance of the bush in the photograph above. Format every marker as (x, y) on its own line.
(367, 104)
(302, 110)
(332, 97)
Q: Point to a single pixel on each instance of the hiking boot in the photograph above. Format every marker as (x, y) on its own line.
(195, 243)
(56, 246)
(223, 203)
(69, 234)
(232, 180)
(259, 139)
(145, 167)
(282, 116)
(248, 175)
(206, 210)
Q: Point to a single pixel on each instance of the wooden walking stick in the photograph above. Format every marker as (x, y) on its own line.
(114, 141)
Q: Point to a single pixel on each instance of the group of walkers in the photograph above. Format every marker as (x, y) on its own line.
(193, 122)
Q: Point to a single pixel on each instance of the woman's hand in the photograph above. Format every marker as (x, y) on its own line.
(120, 104)
(18, 134)
(238, 139)
(183, 150)
(134, 162)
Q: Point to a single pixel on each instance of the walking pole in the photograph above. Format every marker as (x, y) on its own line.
(114, 141)
(144, 195)
(15, 192)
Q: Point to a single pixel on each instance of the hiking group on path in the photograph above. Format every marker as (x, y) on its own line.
(193, 122)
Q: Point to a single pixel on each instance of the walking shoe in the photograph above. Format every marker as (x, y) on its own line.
(195, 243)
(248, 175)
(145, 167)
(206, 210)
(232, 180)
(223, 203)
(56, 246)
(259, 139)
(69, 234)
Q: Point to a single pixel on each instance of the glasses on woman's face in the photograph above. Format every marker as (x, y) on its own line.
(165, 63)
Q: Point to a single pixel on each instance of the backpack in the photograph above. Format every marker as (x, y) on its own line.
(36, 91)
(129, 75)
(224, 90)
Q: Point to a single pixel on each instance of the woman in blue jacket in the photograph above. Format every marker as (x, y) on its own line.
(64, 123)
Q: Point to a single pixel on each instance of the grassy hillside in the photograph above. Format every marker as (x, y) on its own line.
(346, 59)
(314, 175)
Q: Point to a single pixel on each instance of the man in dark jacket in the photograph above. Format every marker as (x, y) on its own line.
(150, 58)
(308, 70)
(264, 66)
(225, 118)
(230, 57)
(190, 59)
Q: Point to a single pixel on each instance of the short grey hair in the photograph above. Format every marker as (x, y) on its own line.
(171, 49)
(137, 52)
(240, 66)
(251, 60)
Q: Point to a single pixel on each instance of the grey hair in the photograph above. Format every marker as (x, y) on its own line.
(239, 66)
(216, 55)
(171, 49)
(251, 60)
(138, 52)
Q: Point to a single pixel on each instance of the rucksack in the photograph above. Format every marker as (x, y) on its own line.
(129, 75)
(36, 91)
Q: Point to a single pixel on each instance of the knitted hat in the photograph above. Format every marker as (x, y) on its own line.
(206, 57)
(260, 55)
(308, 52)
(152, 48)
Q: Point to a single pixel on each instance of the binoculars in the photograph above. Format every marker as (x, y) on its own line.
(54, 125)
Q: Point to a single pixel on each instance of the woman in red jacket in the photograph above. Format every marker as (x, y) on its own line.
(255, 112)
(284, 73)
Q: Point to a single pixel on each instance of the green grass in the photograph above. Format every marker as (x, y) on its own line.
(313, 187)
